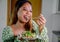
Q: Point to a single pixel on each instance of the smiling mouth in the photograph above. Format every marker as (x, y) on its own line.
(27, 18)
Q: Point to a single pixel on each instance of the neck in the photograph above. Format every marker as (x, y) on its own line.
(20, 25)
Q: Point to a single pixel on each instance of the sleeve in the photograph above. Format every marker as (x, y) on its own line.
(7, 35)
(44, 35)
(35, 26)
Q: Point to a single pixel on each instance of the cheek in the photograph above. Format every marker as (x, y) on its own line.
(31, 14)
(20, 13)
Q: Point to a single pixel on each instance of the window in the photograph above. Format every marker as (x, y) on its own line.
(59, 5)
(56, 6)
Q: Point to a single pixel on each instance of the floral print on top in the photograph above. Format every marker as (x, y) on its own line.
(8, 35)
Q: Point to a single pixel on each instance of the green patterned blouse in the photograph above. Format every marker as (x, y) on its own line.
(8, 36)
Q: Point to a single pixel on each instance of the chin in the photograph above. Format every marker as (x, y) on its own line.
(25, 21)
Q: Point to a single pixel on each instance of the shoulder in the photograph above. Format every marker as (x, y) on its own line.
(7, 32)
(7, 28)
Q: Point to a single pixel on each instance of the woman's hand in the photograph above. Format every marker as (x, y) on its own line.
(41, 22)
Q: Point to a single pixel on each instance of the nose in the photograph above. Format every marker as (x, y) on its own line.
(28, 12)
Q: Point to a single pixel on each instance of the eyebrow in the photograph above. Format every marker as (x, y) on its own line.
(25, 8)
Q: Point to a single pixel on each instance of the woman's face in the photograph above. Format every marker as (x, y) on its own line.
(25, 13)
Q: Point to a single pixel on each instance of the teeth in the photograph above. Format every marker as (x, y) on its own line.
(26, 18)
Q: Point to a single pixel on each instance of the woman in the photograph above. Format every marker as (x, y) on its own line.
(22, 21)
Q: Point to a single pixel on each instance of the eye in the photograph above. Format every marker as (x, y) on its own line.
(31, 11)
(24, 9)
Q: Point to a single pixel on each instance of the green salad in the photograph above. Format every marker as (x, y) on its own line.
(28, 34)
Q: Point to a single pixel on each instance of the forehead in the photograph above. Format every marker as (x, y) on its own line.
(27, 5)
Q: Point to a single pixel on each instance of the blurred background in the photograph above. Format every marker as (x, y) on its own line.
(49, 8)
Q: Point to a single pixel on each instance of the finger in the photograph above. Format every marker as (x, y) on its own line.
(41, 15)
(38, 22)
(42, 21)
(42, 18)
(42, 24)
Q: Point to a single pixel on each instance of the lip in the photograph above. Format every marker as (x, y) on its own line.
(26, 17)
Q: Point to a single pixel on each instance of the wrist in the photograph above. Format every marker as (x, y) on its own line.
(41, 28)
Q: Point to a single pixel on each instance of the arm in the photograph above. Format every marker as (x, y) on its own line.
(8, 36)
(42, 29)
(44, 35)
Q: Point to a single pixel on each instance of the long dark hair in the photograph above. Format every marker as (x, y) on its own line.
(19, 3)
